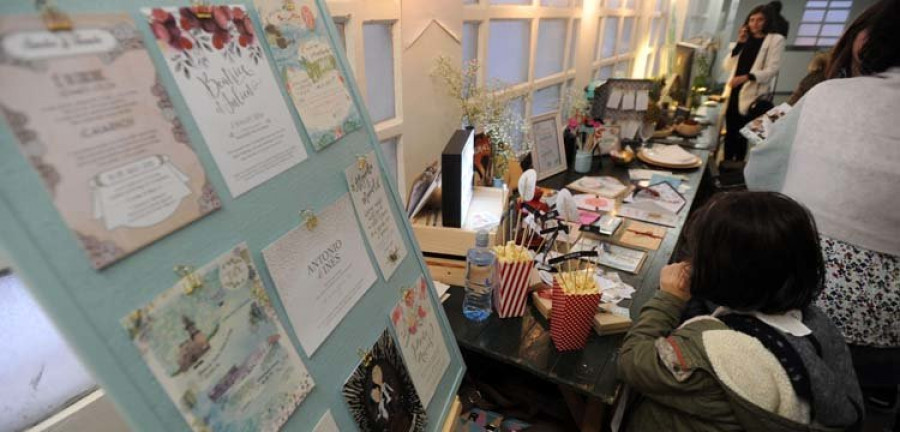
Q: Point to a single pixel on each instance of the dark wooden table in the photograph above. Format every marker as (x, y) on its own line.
(525, 342)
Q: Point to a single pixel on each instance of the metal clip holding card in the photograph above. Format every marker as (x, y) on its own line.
(54, 19)
(362, 162)
(309, 219)
(201, 8)
(189, 279)
(364, 356)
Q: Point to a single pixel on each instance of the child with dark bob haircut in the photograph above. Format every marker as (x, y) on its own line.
(766, 359)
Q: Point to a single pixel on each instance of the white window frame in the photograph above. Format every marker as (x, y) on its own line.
(354, 14)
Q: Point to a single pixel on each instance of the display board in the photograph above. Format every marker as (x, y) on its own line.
(208, 219)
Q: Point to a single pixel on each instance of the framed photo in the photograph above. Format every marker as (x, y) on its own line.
(548, 154)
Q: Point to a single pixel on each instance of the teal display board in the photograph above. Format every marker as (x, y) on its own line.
(88, 305)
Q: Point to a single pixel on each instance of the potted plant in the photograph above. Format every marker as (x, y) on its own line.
(485, 108)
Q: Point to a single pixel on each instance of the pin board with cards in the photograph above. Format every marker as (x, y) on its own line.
(196, 196)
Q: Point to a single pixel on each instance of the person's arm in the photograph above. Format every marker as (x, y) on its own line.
(768, 162)
(772, 61)
(651, 358)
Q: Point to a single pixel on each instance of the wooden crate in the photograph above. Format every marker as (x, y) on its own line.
(445, 248)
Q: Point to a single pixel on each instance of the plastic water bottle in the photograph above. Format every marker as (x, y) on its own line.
(481, 276)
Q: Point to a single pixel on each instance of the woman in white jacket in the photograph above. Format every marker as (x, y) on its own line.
(754, 63)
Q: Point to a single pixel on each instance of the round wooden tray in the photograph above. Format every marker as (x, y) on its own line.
(651, 161)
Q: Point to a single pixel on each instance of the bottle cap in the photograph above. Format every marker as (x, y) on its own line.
(482, 238)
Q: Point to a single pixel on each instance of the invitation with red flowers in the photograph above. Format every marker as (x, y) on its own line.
(307, 63)
(89, 113)
(219, 65)
(421, 341)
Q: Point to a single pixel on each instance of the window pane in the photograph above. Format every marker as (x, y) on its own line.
(339, 24)
(517, 107)
(38, 371)
(630, 4)
(832, 30)
(816, 4)
(841, 4)
(627, 31)
(837, 16)
(520, 2)
(603, 73)
(813, 15)
(805, 41)
(555, 3)
(567, 101)
(612, 4)
(576, 34)
(470, 41)
(389, 149)
(379, 52)
(808, 30)
(610, 30)
(508, 50)
(546, 100)
(551, 46)
(621, 70)
(657, 63)
(827, 41)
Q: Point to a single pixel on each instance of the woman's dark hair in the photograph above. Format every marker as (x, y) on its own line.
(766, 12)
(755, 251)
(880, 52)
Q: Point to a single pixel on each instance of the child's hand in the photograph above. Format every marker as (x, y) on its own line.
(675, 279)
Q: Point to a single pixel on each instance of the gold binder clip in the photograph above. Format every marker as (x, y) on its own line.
(189, 279)
(309, 219)
(201, 8)
(54, 19)
(362, 162)
(364, 356)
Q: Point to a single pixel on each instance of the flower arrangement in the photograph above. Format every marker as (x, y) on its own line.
(487, 106)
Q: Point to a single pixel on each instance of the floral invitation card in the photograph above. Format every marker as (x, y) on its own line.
(420, 339)
(308, 65)
(373, 209)
(381, 395)
(220, 67)
(215, 345)
(91, 116)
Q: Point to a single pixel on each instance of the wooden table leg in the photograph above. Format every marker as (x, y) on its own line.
(589, 413)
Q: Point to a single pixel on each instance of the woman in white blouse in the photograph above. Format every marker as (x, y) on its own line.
(754, 63)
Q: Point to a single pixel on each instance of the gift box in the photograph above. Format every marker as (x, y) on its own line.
(511, 297)
(573, 316)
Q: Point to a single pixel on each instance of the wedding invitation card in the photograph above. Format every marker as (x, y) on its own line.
(221, 69)
(373, 209)
(91, 116)
(215, 344)
(320, 272)
(420, 339)
(307, 63)
(380, 393)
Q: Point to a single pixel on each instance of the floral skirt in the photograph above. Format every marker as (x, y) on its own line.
(862, 293)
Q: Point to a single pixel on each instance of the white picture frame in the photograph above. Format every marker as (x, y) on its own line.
(548, 155)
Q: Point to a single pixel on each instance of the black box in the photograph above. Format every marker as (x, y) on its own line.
(457, 174)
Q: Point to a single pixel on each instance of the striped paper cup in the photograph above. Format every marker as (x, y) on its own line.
(510, 299)
(573, 314)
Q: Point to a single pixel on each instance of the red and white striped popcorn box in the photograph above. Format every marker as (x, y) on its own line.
(573, 315)
(511, 298)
